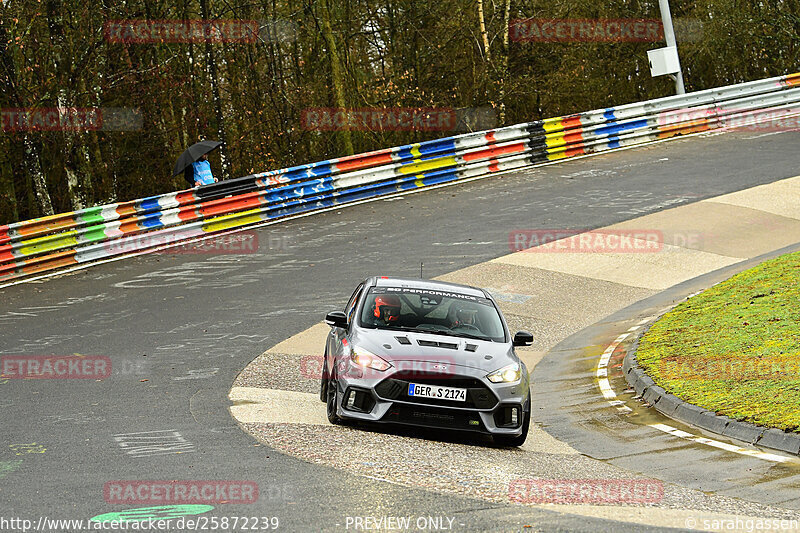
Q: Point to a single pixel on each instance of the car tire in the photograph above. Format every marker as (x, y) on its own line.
(519, 440)
(332, 400)
(323, 381)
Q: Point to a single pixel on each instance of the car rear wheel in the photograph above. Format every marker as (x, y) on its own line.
(503, 440)
(333, 399)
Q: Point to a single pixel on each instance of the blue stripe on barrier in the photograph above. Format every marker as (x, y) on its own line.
(618, 127)
(427, 150)
(150, 203)
(609, 114)
(151, 221)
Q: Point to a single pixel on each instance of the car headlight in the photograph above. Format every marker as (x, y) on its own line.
(507, 374)
(367, 359)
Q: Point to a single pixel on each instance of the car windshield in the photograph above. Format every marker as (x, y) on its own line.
(432, 311)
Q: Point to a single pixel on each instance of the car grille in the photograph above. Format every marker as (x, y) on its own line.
(419, 415)
(478, 395)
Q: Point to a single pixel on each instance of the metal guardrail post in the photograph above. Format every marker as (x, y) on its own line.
(669, 35)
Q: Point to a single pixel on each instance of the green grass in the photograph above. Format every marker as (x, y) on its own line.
(735, 348)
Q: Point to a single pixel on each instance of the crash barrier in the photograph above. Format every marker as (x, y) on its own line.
(87, 235)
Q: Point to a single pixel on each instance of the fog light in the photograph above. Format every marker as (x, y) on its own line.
(358, 400)
(509, 416)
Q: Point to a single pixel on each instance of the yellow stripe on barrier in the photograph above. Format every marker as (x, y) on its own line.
(553, 124)
(556, 154)
(424, 166)
(233, 220)
(45, 244)
(554, 140)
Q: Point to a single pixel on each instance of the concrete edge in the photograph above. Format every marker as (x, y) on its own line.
(675, 408)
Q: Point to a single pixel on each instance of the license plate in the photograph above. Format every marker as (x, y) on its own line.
(439, 393)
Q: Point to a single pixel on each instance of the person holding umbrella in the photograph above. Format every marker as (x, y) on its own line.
(202, 172)
(194, 164)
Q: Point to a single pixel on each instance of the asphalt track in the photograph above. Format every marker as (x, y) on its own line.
(178, 329)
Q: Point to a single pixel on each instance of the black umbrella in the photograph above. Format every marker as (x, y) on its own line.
(193, 153)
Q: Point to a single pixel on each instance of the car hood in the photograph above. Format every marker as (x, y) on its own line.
(398, 346)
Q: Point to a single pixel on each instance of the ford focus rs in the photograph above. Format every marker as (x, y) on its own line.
(427, 354)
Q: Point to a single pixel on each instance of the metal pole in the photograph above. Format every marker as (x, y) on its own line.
(669, 34)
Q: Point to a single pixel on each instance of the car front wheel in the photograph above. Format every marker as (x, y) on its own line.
(333, 400)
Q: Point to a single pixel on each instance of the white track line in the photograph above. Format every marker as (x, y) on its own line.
(602, 374)
(619, 405)
(758, 454)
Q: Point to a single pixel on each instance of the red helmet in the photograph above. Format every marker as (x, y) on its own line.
(389, 302)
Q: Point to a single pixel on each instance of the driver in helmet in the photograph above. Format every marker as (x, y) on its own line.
(386, 309)
(465, 315)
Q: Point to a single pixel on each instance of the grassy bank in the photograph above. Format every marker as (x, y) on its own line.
(735, 348)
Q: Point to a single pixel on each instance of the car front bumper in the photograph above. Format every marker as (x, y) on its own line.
(494, 409)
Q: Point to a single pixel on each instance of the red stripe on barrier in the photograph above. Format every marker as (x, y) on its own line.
(130, 226)
(46, 224)
(490, 137)
(574, 137)
(4, 236)
(494, 151)
(188, 213)
(792, 79)
(493, 166)
(574, 151)
(8, 271)
(48, 262)
(684, 127)
(184, 198)
(573, 121)
(357, 162)
(229, 205)
(39, 264)
(126, 210)
(5, 254)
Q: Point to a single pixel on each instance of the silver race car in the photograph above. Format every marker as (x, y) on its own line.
(429, 354)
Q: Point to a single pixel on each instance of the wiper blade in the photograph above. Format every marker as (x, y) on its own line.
(470, 336)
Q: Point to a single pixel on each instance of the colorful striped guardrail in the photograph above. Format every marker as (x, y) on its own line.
(87, 235)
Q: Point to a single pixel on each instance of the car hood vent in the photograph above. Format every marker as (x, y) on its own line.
(403, 340)
(449, 345)
(471, 347)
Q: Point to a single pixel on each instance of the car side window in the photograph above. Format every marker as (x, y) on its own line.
(351, 305)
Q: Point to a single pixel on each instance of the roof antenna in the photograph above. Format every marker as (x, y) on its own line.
(420, 270)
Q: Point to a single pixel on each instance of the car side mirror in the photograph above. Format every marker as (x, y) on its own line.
(523, 338)
(336, 319)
